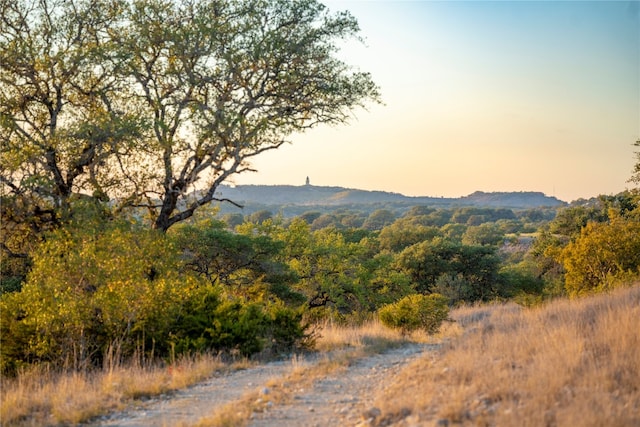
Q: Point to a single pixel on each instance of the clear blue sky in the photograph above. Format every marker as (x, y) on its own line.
(491, 96)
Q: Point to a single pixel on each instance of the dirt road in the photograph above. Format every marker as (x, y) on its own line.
(344, 398)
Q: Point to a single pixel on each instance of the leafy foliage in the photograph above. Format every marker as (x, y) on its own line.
(603, 256)
(114, 288)
(594, 247)
(426, 312)
(137, 101)
(211, 323)
(247, 266)
(427, 262)
(95, 286)
(378, 219)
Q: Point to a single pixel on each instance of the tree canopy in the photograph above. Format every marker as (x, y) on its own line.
(153, 104)
(635, 177)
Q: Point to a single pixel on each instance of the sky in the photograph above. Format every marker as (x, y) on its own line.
(481, 96)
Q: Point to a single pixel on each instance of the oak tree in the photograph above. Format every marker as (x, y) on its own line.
(59, 119)
(154, 103)
(636, 168)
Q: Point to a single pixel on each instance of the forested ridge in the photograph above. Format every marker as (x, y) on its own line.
(292, 200)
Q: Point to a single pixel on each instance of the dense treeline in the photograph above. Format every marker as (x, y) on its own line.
(106, 287)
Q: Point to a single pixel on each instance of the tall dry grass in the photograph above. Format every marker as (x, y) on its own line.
(39, 397)
(568, 363)
(372, 335)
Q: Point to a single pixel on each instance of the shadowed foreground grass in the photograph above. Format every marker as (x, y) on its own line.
(568, 363)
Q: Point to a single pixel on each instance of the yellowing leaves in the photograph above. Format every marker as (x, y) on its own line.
(602, 256)
(96, 284)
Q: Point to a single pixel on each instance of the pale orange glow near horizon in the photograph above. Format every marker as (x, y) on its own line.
(489, 96)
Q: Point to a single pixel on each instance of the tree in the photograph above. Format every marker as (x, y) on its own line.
(428, 261)
(326, 221)
(260, 216)
(310, 216)
(636, 168)
(378, 219)
(569, 221)
(487, 233)
(223, 81)
(602, 257)
(58, 122)
(232, 220)
(155, 103)
(246, 265)
(60, 125)
(403, 233)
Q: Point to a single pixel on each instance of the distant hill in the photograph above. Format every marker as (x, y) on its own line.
(311, 195)
(522, 199)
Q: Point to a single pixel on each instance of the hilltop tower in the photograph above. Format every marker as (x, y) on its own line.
(307, 182)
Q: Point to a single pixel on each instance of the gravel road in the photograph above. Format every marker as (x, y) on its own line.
(343, 399)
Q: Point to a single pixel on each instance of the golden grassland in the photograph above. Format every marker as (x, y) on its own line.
(38, 397)
(567, 363)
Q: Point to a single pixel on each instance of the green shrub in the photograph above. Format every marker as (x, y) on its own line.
(209, 323)
(92, 289)
(238, 326)
(417, 311)
(602, 257)
(286, 330)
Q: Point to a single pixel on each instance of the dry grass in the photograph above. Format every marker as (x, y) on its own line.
(39, 397)
(372, 335)
(568, 363)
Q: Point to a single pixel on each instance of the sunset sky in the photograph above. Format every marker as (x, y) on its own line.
(490, 96)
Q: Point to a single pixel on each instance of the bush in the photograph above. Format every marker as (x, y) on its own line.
(209, 323)
(286, 330)
(417, 311)
(94, 289)
(602, 257)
